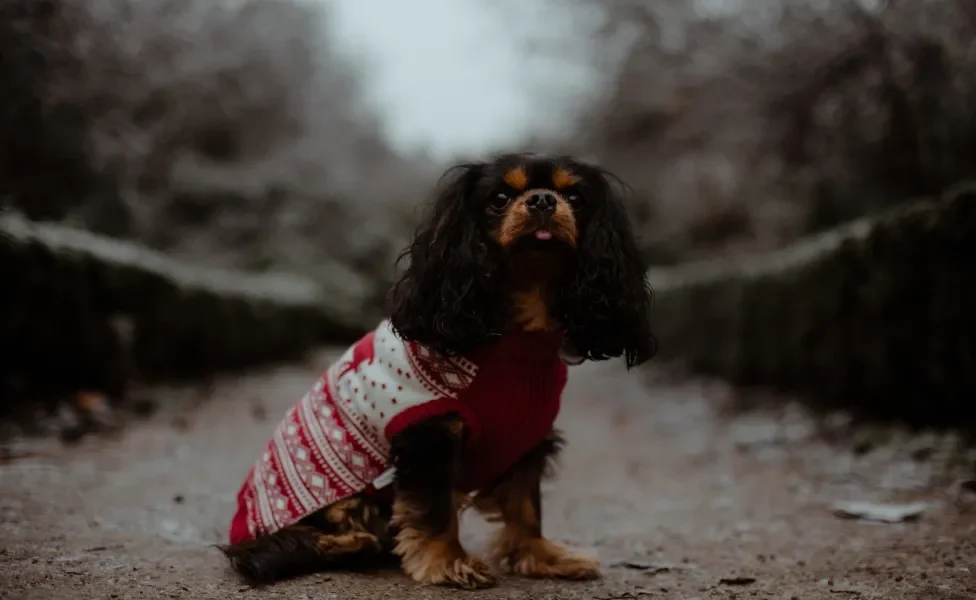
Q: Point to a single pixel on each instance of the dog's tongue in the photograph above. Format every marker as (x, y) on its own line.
(542, 234)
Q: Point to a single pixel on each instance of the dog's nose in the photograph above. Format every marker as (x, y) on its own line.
(542, 201)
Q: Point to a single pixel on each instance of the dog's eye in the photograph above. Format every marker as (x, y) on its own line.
(500, 201)
(574, 200)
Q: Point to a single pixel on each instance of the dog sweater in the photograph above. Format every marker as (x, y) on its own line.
(335, 441)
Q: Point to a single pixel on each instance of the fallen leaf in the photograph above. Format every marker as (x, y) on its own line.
(649, 569)
(94, 414)
(631, 564)
(737, 580)
(8, 455)
(95, 407)
(91, 402)
(883, 513)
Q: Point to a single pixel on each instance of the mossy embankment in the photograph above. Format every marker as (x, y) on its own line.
(878, 315)
(81, 311)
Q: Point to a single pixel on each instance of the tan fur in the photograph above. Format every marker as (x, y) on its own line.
(531, 305)
(353, 536)
(514, 224)
(440, 560)
(532, 311)
(518, 219)
(338, 512)
(562, 178)
(519, 546)
(565, 221)
(347, 543)
(517, 178)
(456, 427)
(462, 500)
(542, 558)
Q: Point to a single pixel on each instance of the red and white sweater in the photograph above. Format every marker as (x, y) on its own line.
(336, 440)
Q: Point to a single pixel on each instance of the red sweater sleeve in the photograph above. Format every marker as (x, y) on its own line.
(434, 408)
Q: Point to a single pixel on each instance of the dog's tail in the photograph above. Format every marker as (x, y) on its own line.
(298, 550)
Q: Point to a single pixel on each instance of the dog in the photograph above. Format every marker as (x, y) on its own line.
(524, 264)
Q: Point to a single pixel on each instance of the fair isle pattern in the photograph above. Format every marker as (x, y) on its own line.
(311, 461)
(447, 377)
(332, 443)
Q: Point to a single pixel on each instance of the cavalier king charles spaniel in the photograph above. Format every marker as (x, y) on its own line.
(524, 264)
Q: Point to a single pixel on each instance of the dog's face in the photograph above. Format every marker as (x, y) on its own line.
(531, 211)
(531, 204)
(541, 242)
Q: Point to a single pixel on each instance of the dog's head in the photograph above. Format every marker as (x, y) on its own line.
(532, 241)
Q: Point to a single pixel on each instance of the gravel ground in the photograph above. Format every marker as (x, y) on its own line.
(680, 497)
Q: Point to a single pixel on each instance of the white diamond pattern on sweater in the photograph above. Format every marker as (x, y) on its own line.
(332, 443)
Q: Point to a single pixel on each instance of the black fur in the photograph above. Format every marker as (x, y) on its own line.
(540, 460)
(452, 295)
(290, 552)
(448, 299)
(525, 476)
(605, 303)
(427, 457)
(303, 548)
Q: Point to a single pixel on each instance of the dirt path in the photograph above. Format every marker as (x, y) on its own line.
(653, 474)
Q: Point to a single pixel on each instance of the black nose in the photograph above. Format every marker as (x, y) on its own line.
(542, 201)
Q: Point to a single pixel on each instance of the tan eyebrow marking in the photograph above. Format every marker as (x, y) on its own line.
(517, 178)
(562, 178)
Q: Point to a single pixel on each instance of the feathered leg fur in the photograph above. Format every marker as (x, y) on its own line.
(425, 513)
(514, 500)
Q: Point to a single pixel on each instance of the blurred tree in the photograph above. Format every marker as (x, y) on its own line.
(42, 149)
(227, 131)
(742, 125)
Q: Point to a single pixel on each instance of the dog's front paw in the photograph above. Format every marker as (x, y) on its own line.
(443, 562)
(539, 557)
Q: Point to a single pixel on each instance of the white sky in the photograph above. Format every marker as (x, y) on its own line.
(453, 76)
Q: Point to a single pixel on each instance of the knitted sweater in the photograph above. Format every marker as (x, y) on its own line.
(335, 441)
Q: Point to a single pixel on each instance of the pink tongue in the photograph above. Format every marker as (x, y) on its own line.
(542, 234)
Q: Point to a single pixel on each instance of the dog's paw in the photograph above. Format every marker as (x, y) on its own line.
(439, 562)
(356, 542)
(539, 557)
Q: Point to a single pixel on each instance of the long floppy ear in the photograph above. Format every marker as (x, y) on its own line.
(605, 305)
(447, 298)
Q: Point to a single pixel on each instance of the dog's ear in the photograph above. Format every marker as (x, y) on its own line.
(605, 304)
(447, 298)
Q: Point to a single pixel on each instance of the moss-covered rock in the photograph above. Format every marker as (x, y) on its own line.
(878, 315)
(81, 311)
